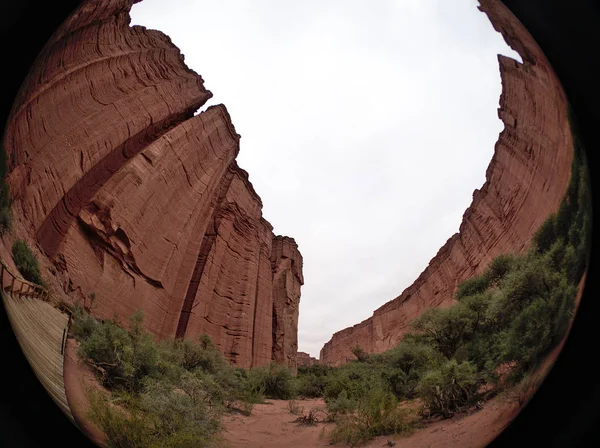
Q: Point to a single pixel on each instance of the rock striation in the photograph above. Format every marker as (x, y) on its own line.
(525, 182)
(134, 198)
(286, 265)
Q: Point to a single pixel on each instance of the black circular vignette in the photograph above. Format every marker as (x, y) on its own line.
(28, 415)
(564, 412)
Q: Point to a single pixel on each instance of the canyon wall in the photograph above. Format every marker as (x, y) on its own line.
(130, 196)
(304, 359)
(286, 265)
(525, 182)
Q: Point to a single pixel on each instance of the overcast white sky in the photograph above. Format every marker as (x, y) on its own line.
(366, 126)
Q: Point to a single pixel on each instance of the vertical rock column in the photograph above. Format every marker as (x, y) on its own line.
(286, 265)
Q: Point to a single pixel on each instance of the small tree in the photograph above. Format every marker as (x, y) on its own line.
(26, 263)
(449, 388)
(360, 354)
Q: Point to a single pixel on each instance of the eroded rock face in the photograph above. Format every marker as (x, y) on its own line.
(133, 198)
(304, 359)
(525, 182)
(286, 265)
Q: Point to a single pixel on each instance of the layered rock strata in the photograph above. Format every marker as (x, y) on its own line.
(137, 200)
(286, 265)
(525, 182)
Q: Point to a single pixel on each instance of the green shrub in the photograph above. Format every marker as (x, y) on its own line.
(275, 381)
(26, 263)
(310, 385)
(473, 285)
(357, 379)
(311, 381)
(405, 364)
(539, 327)
(545, 235)
(131, 429)
(125, 358)
(445, 329)
(160, 417)
(449, 388)
(361, 355)
(377, 413)
(340, 405)
(499, 267)
(83, 324)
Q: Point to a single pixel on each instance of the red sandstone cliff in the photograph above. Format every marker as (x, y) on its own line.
(304, 359)
(286, 264)
(525, 182)
(135, 199)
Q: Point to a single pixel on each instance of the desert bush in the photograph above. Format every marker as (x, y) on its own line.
(473, 285)
(161, 417)
(275, 381)
(497, 269)
(377, 413)
(190, 403)
(356, 378)
(26, 262)
(545, 236)
(405, 364)
(124, 358)
(311, 381)
(445, 329)
(109, 348)
(361, 355)
(340, 405)
(310, 385)
(449, 388)
(83, 323)
(123, 429)
(202, 354)
(310, 418)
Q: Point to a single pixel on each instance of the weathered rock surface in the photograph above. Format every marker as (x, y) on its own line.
(304, 359)
(133, 198)
(286, 264)
(525, 182)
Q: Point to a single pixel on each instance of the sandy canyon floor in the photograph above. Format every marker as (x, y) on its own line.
(272, 425)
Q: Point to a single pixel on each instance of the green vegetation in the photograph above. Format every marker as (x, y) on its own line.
(376, 413)
(26, 262)
(274, 381)
(493, 339)
(168, 393)
(504, 324)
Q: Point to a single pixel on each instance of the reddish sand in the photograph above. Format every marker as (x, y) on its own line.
(272, 425)
(78, 377)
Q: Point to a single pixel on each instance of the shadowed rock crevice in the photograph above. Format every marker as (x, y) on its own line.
(207, 244)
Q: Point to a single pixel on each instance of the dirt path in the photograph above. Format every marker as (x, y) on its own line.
(271, 425)
(78, 376)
